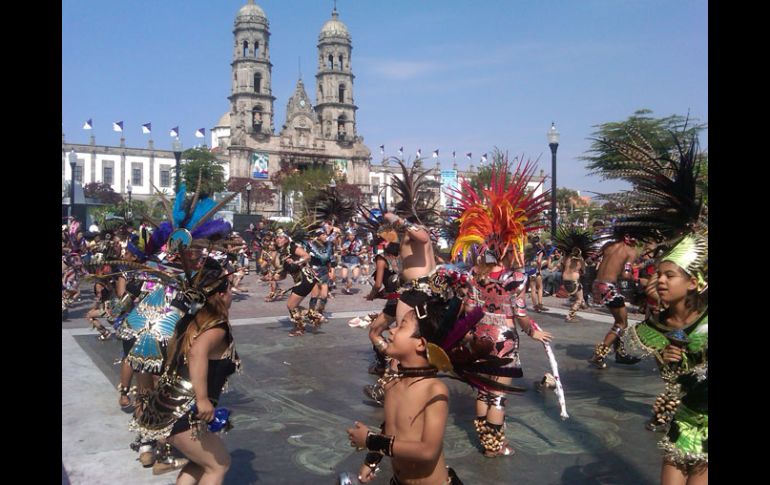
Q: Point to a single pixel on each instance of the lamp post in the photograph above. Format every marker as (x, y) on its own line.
(129, 189)
(553, 142)
(248, 198)
(73, 158)
(177, 147)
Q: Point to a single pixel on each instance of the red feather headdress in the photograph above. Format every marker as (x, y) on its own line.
(499, 218)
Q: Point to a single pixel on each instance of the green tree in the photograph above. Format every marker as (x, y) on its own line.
(200, 162)
(608, 162)
(102, 192)
(306, 183)
(261, 193)
(483, 177)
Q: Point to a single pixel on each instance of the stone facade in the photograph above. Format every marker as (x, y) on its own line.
(323, 134)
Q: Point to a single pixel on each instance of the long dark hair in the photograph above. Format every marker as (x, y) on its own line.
(214, 312)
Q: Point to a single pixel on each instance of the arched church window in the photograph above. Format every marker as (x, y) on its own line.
(256, 117)
(341, 126)
(331, 61)
(321, 90)
(245, 48)
(342, 66)
(257, 82)
(341, 93)
(256, 49)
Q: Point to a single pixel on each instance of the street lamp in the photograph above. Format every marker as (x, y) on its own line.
(553, 142)
(248, 198)
(73, 158)
(177, 147)
(129, 189)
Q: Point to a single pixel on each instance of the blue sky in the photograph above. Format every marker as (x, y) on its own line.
(447, 74)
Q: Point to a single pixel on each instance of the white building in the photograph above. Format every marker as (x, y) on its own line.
(121, 167)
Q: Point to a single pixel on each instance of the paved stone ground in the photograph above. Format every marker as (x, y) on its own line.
(296, 396)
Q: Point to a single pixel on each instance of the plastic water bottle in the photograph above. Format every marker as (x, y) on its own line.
(221, 418)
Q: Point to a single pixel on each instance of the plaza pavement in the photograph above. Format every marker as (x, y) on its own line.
(295, 397)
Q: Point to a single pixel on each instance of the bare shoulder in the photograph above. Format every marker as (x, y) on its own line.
(435, 388)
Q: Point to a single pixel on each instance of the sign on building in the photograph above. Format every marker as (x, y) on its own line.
(259, 161)
(341, 167)
(448, 182)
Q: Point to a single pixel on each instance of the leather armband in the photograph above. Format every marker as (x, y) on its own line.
(380, 443)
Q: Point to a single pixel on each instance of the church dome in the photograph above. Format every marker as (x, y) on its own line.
(334, 28)
(224, 120)
(250, 11)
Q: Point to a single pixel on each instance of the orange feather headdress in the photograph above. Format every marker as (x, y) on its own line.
(499, 218)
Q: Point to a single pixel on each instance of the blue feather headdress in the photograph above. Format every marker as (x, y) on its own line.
(194, 214)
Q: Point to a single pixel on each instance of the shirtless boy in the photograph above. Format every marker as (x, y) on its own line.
(416, 408)
(417, 260)
(571, 269)
(615, 256)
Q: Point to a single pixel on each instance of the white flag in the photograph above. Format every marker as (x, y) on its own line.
(435, 154)
(419, 152)
(174, 133)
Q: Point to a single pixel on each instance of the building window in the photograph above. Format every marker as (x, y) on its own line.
(341, 126)
(256, 117)
(321, 90)
(257, 82)
(245, 48)
(107, 175)
(256, 49)
(136, 174)
(331, 62)
(79, 173)
(165, 177)
(341, 64)
(341, 93)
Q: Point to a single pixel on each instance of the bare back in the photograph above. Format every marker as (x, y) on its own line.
(573, 266)
(406, 403)
(417, 257)
(615, 256)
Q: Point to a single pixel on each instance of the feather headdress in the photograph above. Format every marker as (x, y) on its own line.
(441, 327)
(568, 237)
(499, 218)
(193, 213)
(331, 205)
(374, 221)
(665, 202)
(415, 194)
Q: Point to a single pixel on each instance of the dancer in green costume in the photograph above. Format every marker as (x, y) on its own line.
(678, 339)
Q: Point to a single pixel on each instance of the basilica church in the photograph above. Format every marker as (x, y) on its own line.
(313, 134)
(245, 138)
